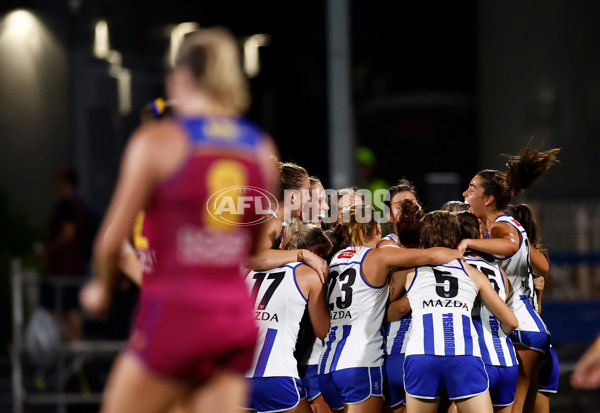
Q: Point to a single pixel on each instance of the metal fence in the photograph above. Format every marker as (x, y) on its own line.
(25, 295)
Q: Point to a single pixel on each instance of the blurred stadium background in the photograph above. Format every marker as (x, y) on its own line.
(433, 91)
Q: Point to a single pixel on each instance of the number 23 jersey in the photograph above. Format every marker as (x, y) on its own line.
(441, 298)
(356, 309)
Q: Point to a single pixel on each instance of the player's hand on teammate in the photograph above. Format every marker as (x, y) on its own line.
(463, 246)
(94, 299)
(317, 263)
(448, 254)
(538, 283)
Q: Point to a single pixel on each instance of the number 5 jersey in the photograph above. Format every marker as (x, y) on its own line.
(356, 309)
(441, 298)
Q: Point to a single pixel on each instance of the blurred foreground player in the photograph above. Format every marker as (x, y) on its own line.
(587, 371)
(195, 328)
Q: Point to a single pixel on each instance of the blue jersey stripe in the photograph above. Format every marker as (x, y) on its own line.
(467, 335)
(338, 350)
(497, 343)
(401, 335)
(511, 351)
(485, 355)
(533, 314)
(448, 332)
(328, 345)
(428, 337)
(265, 352)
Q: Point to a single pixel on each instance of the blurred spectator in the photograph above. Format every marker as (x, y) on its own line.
(67, 249)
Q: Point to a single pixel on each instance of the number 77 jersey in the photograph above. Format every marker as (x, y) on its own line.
(278, 308)
(356, 309)
(441, 298)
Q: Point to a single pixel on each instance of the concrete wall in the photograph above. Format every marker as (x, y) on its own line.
(34, 129)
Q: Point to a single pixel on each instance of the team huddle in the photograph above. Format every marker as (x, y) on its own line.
(286, 312)
(437, 310)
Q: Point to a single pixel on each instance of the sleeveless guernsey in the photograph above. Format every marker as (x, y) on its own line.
(278, 308)
(496, 347)
(357, 311)
(441, 298)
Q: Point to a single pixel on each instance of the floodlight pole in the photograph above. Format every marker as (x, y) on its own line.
(339, 88)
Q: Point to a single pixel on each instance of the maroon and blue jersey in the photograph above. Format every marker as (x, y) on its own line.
(201, 215)
(195, 310)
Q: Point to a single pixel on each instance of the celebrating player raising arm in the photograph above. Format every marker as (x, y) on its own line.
(488, 196)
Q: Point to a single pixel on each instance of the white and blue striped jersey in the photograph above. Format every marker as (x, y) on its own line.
(441, 298)
(279, 307)
(496, 347)
(357, 310)
(391, 237)
(521, 299)
(395, 341)
(396, 335)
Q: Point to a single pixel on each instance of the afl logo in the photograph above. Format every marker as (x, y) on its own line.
(229, 205)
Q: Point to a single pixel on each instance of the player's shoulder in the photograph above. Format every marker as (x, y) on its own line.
(307, 272)
(387, 242)
(156, 137)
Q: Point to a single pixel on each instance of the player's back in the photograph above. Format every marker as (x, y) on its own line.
(278, 308)
(496, 347)
(441, 298)
(357, 310)
(517, 267)
(202, 213)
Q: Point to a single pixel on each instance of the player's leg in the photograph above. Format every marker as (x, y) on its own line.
(399, 409)
(547, 381)
(225, 392)
(542, 403)
(415, 405)
(528, 366)
(476, 404)
(319, 405)
(133, 387)
(372, 405)
(532, 391)
(302, 407)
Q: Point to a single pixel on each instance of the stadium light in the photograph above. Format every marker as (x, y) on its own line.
(251, 58)
(177, 35)
(101, 40)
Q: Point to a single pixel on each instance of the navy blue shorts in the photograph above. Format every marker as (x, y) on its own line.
(394, 369)
(310, 380)
(273, 394)
(503, 384)
(426, 377)
(548, 378)
(533, 340)
(351, 386)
